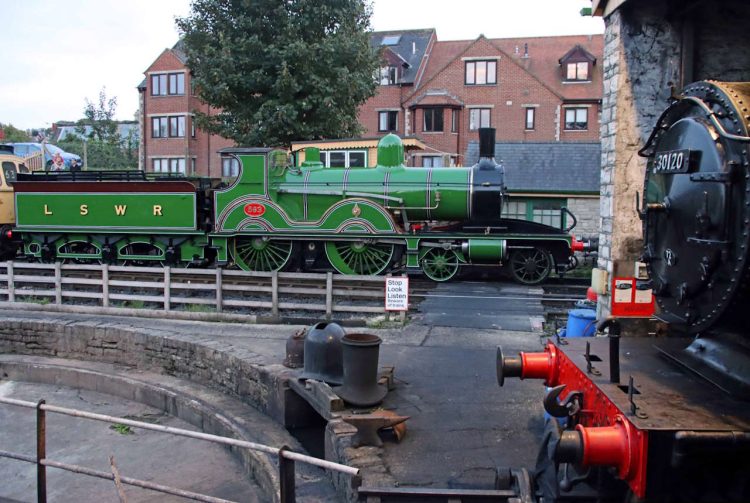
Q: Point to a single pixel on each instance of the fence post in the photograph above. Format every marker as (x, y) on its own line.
(219, 290)
(41, 453)
(286, 478)
(329, 295)
(11, 283)
(275, 294)
(58, 283)
(105, 285)
(167, 288)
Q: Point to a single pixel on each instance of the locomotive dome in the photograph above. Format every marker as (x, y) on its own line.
(390, 151)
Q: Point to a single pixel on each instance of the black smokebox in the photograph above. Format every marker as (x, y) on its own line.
(486, 142)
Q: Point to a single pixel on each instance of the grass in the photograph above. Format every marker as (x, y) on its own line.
(133, 304)
(42, 301)
(200, 308)
(122, 429)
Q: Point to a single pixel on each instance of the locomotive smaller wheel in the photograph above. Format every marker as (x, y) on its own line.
(530, 266)
(359, 257)
(261, 253)
(139, 249)
(87, 253)
(440, 264)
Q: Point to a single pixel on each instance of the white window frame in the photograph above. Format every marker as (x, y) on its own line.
(477, 118)
(325, 157)
(576, 112)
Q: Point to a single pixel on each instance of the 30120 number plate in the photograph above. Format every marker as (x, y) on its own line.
(672, 161)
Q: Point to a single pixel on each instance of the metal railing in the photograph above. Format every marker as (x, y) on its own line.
(198, 290)
(286, 457)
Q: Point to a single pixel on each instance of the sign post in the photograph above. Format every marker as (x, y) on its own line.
(397, 293)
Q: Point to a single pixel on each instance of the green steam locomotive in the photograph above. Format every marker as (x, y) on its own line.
(276, 216)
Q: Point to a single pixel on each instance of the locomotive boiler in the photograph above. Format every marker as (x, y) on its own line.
(277, 216)
(666, 418)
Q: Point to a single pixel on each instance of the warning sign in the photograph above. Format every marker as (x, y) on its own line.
(397, 294)
(632, 297)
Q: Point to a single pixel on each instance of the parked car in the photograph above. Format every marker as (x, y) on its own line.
(27, 149)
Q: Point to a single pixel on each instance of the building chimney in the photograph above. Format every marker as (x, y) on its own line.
(413, 47)
(517, 50)
(526, 50)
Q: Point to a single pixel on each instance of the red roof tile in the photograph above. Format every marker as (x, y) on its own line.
(543, 61)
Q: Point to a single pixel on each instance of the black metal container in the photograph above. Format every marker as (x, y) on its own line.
(361, 353)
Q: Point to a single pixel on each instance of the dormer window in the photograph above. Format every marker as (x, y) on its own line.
(578, 71)
(576, 65)
(388, 75)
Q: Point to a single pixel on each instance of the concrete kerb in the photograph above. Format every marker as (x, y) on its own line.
(203, 362)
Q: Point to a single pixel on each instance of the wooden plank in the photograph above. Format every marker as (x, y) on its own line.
(137, 284)
(320, 396)
(208, 287)
(358, 309)
(82, 295)
(167, 288)
(247, 303)
(144, 298)
(11, 284)
(243, 288)
(58, 283)
(32, 279)
(219, 290)
(105, 285)
(80, 281)
(329, 295)
(275, 294)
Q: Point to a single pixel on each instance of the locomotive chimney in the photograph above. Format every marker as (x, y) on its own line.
(486, 143)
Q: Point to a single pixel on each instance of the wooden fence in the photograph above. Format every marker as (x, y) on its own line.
(175, 290)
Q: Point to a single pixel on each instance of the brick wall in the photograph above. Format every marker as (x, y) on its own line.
(201, 149)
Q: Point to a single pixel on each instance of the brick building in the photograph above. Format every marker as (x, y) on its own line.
(170, 142)
(541, 89)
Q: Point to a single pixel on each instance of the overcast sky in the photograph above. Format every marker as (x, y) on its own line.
(56, 54)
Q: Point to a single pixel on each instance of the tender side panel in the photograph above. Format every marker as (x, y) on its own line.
(78, 211)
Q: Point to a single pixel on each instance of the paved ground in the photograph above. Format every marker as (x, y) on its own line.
(184, 463)
(483, 304)
(462, 424)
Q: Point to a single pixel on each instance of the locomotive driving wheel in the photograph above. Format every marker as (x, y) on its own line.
(530, 266)
(439, 264)
(255, 253)
(359, 257)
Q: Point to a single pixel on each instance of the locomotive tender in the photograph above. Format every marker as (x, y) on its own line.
(276, 216)
(667, 418)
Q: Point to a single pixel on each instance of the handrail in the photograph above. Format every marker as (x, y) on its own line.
(322, 463)
(286, 457)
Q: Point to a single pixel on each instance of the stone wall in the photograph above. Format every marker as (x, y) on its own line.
(586, 210)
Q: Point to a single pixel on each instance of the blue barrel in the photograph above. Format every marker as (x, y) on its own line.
(581, 323)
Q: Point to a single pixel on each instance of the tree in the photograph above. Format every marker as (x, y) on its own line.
(105, 148)
(280, 71)
(12, 134)
(101, 118)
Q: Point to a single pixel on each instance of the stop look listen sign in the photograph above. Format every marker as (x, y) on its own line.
(397, 293)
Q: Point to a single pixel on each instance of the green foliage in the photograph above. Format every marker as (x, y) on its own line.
(100, 117)
(105, 149)
(13, 134)
(122, 429)
(280, 71)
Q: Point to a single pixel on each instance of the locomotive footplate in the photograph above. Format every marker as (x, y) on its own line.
(660, 426)
(666, 398)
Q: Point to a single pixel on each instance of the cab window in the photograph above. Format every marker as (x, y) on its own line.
(9, 171)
